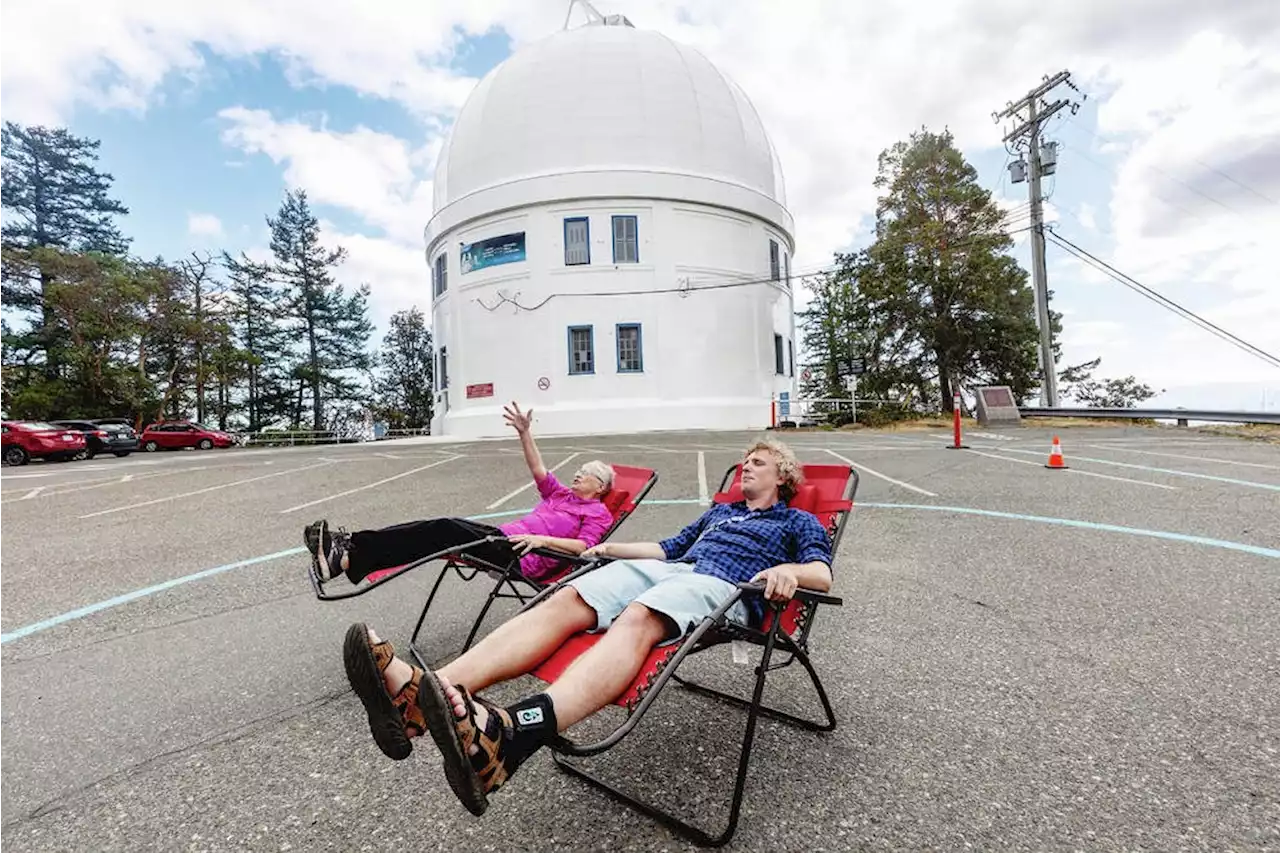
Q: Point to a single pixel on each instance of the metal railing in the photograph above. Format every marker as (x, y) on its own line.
(1182, 416)
(304, 437)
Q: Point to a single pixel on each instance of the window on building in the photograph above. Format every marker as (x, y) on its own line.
(443, 372)
(630, 352)
(773, 260)
(626, 241)
(791, 358)
(778, 364)
(441, 283)
(786, 268)
(582, 350)
(577, 241)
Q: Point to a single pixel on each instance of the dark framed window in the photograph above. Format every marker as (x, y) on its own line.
(577, 241)
(582, 350)
(630, 348)
(626, 240)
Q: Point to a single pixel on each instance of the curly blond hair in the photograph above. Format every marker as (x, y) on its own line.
(790, 472)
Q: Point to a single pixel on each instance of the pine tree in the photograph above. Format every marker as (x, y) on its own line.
(54, 197)
(260, 338)
(334, 326)
(403, 389)
(940, 300)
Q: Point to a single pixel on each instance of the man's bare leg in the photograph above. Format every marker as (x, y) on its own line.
(520, 644)
(597, 677)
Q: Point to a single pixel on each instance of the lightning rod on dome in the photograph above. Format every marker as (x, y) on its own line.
(594, 18)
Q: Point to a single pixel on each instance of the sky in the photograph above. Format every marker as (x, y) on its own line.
(1170, 170)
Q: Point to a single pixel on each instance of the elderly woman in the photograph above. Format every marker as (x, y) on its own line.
(569, 518)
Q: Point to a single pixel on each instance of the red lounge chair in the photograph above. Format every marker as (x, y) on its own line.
(828, 493)
(630, 486)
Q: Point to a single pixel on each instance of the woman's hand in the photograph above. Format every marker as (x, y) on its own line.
(519, 421)
(601, 550)
(526, 542)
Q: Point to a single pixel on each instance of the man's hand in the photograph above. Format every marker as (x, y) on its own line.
(516, 419)
(780, 582)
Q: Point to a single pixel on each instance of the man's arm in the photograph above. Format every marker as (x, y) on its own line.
(627, 551)
(811, 550)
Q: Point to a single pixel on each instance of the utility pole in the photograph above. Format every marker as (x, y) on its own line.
(1041, 160)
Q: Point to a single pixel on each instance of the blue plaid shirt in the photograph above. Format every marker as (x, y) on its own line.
(735, 543)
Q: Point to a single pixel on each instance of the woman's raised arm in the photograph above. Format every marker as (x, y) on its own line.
(522, 423)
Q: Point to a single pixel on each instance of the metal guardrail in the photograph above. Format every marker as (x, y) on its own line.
(1180, 415)
(295, 437)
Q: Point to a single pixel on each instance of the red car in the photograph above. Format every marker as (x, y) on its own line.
(170, 435)
(26, 440)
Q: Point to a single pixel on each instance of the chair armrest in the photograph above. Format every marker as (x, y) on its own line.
(563, 555)
(801, 593)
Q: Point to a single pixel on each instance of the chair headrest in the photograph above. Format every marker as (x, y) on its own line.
(615, 500)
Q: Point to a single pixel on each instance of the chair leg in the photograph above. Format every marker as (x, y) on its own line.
(810, 725)
(417, 629)
(493, 596)
(697, 835)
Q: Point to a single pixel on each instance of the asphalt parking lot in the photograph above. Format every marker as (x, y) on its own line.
(1026, 659)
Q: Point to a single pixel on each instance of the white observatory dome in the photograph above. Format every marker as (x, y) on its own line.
(606, 99)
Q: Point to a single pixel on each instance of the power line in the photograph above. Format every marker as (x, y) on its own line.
(1160, 299)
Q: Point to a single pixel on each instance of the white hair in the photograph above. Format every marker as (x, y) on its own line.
(601, 471)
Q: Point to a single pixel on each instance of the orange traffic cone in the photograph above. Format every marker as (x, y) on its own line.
(1055, 456)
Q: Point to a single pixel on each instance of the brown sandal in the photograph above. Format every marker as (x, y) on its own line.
(454, 737)
(390, 720)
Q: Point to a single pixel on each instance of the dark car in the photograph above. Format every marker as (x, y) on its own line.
(104, 436)
(26, 440)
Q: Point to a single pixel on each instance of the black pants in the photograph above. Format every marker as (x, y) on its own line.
(393, 546)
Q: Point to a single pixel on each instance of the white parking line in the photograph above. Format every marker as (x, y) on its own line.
(1076, 471)
(1247, 483)
(203, 491)
(366, 486)
(704, 497)
(884, 477)
(529, 485)
(1184, 456)
(31, 494)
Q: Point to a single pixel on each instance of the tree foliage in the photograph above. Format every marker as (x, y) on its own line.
(1078, 383)
(334, 325)
(403, 389)
(936, 302)
(92, 331)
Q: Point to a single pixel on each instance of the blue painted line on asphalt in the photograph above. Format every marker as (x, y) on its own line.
(90, 609)
(1256, 550)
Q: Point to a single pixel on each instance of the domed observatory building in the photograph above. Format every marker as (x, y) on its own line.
(610, 244)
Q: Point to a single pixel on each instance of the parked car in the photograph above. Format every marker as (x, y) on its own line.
(170, 435)
(26, 440)
(105, 436)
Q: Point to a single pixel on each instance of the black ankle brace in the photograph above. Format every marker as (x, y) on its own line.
(533, 723)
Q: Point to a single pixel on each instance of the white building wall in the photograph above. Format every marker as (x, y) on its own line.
(708, 354)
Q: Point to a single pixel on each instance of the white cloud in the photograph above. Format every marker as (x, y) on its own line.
(834, 82)
(204, 225)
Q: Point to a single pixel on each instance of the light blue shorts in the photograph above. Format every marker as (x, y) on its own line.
(672, 589)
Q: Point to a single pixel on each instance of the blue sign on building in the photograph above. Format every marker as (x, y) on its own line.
(784, 404)
(507, 249)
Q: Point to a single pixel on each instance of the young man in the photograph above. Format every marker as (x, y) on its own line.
(651, 593)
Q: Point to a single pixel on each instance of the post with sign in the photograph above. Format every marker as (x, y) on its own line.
(851, 370)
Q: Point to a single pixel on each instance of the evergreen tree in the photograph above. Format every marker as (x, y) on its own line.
(403, 388)
(333, 325)
(939, 300)
(53, 197)
(260, 338)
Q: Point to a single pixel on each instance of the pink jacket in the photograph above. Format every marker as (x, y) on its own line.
(561, 514)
